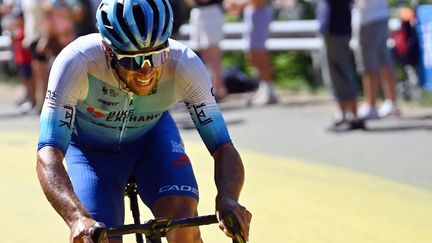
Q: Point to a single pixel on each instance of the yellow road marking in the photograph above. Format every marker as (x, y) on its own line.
(291, 201)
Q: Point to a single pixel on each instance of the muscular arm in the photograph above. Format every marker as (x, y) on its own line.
(194, 86)
(229, 179)
(229, 172)
(57, 185)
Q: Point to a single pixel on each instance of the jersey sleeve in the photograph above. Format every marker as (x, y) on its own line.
(194, 85)
(65, 86)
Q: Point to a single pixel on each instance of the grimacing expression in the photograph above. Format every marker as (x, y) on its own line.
(142, 71)
(143, 81)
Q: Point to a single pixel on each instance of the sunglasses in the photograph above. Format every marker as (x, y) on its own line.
(137, 61)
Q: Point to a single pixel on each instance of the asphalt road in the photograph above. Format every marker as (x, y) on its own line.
(397, 149)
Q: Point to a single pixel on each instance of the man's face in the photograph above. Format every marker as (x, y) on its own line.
(142, 81)
(141, 72)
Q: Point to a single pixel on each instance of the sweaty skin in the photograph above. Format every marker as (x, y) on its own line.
(59, 192)
(140, 82)
(229, 179)
(143, 81)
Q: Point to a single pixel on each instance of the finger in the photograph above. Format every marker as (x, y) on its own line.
(87, 239)
(249, 219)
(225, 229)
(77, 240)
(244, 218)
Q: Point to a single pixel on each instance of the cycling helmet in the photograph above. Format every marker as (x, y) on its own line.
(134, 25)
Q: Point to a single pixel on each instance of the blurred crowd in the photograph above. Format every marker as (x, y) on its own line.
(41, 28)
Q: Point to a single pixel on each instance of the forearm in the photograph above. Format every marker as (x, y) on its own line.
(57, 185)
(229, 172)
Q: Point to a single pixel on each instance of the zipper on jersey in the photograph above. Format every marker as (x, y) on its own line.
(128, 106)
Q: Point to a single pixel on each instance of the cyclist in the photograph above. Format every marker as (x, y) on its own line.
(106, 114)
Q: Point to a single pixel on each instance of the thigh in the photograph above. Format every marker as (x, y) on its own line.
(99, 180)
(341, 67)
(195, 26)
(164, 168)
(257, 22)
(178, 207)
(371, 44)
(175, 207)
(383, 52)
(211, 20)
(35, 54)
(25, 71)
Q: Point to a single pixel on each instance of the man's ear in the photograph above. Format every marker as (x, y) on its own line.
(110, 56)
(108, 50)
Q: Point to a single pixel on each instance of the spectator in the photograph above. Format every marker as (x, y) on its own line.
(80, 12)
(4, 10)
(334, 17)
(94, 5)
(257, 16)
(55, 36)
(373, 58)
(23, 58)
(83, 16)
(207, 19)
(34, 35)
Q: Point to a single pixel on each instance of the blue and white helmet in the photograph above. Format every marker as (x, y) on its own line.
(134, 25)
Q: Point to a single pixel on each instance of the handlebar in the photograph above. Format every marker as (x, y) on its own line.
(159, 227)
(233, 225)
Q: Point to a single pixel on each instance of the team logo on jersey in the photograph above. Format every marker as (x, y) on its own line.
(109, 91)
(182, 160)
(68, 118)
(95, 113)
(123, 116)
(177, 147)
(108, 103)
(50, 95)
(201, 115)
(178, 188)
(129, 116)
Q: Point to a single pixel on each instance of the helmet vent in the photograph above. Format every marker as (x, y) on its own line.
(109, 27)
(167, 17)
(124, 25)
(139, 16)
(155, 22)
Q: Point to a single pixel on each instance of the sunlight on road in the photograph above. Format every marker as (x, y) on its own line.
(291, 201)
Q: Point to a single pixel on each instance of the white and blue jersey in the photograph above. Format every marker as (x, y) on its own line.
(109, 135)
(84, 102)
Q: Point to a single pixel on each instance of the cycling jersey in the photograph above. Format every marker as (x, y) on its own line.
(84, 102)
(157, 161)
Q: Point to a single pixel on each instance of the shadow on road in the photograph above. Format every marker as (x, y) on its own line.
(304, 103)
(398, 128)
(187, 124)
(11, 115)
(401, 124)
(419, 117)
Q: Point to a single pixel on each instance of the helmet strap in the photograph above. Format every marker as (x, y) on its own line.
(112, 60)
